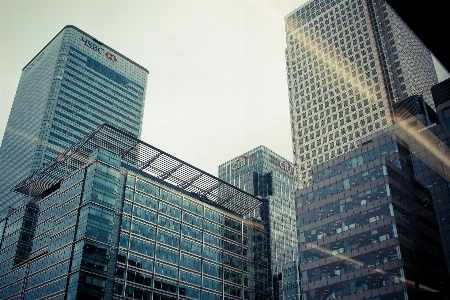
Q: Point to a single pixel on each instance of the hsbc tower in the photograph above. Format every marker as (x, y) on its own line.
(72, 86)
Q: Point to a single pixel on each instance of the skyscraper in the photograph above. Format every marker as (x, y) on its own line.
(136, 227)
(397, 179)
(262, 172)
(367, 227)
(69, 88)
(428, 136)
(348, 62)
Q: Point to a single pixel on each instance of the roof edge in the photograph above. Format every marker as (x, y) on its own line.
(91, 37)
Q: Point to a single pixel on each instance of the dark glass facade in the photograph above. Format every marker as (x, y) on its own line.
(367, 228)
(429, 141)
(263, 173)
(291, 281)
(111, 231)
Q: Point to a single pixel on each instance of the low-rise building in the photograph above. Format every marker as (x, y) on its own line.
(132, 221)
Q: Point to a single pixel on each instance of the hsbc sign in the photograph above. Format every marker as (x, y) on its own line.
(111, 57)
(93, 46)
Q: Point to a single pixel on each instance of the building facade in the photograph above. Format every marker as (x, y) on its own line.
(72, 86)
(428, 135)
(265, 174)
(291, 281)
(348, 62)
(367, 228)
(127, 227)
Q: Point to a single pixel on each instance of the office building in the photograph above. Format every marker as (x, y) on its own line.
(348, 62)
(367, 227)
(127, 226)
(291, 281)
(73, 85)
(267, 175)
(428, 135)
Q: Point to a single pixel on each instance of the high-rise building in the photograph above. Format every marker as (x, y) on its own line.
(428, 135)
(367, 227)
(131, 227)
(291, 281)
(72, 86)
(348, 62)
(265, 174)
(341, 213)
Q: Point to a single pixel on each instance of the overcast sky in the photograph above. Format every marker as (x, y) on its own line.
(217, 83)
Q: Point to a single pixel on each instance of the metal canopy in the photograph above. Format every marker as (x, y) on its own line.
(142, 156)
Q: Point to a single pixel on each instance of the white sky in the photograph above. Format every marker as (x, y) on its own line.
(217, 84)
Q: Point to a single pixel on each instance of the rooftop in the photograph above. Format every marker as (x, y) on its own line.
(144, 157)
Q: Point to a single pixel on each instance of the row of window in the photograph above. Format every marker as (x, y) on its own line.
(135, 100)
(353, 242)
(105, 83)
(131, 102)
(310, 13)
(110, 74)
(111, 107)
(187, 276)
(147, 248)
(343, 205)
(320, 107)
(343, 225)
(80, 100)
(359, 160)
(357, 285)
(340, 267)
(183, 290)
(340, 186)
(68, 107)
(187, 261)
(334, 138)
(178, 201)
(175, 225)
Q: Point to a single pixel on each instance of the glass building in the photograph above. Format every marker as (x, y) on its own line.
(73, 85)
(348, 62)
(427, 132)
(367, 226)
(263, 173)
(127, 226)
(291, 281)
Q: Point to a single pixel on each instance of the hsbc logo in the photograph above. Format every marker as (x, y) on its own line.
(111, 57)
(93, 46)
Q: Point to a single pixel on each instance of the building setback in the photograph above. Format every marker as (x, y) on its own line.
(367, 228)
(348, 62)
(72, 86)
(263, 173)
(146, 226)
